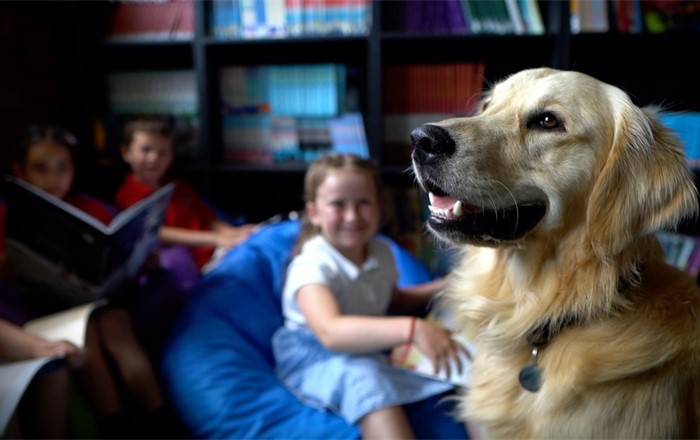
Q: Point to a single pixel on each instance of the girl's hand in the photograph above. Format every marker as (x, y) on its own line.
(437, 343)
(75, 357)
(234, 235)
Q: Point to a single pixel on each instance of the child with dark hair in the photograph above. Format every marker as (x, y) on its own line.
(147, 146)
(117, 377)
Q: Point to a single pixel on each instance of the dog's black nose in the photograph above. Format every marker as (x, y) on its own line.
(431, 140)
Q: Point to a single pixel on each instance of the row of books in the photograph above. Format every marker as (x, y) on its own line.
(149, 20)
(283, 113)
(634, 16)
(455, 91)
(681, 251)
(465, 16)
(266, 138)
(300, 90)
(234, 19)
(686, 125)
(433, 88)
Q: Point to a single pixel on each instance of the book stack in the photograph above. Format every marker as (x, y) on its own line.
(466, 17)
(250, 19)
(455, 91)
(151, 20)
(282, 113)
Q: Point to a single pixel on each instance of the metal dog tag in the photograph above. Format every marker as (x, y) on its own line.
(530, 377)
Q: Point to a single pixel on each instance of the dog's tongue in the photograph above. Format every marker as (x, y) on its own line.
(442, 202)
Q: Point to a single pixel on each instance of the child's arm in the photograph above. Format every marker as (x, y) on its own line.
(17, 344)
(351, 333)
(187, 237)
(219, 236)
(235, 234)
(368, 334)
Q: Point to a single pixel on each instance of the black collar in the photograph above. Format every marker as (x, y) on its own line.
(541, 335)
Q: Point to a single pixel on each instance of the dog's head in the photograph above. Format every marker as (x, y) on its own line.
(550, 151)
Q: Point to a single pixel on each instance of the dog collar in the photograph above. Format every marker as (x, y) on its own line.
(530, 376)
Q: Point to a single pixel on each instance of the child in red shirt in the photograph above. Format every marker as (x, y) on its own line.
(112, 355)
(147, 148)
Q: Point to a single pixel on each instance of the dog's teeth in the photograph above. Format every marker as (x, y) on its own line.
(438, 212)
(452, 213)
(431, 197)
(457, 209)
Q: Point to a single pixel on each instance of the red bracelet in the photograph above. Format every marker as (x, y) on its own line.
(411, 329)
(409, 340)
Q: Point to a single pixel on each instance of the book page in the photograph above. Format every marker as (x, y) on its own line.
(412, 358)
(68, 325)
(161, 197)
(14, 380)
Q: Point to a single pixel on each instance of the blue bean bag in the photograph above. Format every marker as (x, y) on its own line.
(218, 366)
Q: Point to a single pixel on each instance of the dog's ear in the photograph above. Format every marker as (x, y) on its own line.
(644, 185)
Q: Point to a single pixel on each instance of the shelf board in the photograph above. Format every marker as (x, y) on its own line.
(303, 40)
(257, 168)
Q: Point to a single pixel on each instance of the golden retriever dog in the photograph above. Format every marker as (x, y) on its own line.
(554, 191)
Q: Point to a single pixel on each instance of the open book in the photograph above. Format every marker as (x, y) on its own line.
(66, 251)
(67, 325)
(412, 358)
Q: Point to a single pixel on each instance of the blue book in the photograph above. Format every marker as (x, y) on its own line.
(686, 125)
(225, 19)
(348, 134)
(315, 90)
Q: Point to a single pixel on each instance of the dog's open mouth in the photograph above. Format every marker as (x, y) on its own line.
(457, 221)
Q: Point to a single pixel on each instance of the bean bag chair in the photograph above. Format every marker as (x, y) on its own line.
(218, 366)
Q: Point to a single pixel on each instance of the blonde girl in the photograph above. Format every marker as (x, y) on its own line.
(339, 292)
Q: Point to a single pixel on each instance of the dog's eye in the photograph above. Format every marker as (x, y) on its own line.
(545, 121)
(483, 105)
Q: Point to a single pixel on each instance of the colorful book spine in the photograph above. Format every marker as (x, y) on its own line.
(254, 19)
(532, 16)
(225, 19)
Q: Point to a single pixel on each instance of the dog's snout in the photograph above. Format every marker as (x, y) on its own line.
(432, 140)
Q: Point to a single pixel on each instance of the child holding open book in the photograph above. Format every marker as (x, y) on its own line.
(147, 146)
(113, 356)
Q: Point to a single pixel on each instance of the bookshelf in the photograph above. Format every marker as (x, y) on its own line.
(653, 68)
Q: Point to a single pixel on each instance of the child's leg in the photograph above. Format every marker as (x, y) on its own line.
(386, 423)
(44, 406)
(129, 357)
(96, 379)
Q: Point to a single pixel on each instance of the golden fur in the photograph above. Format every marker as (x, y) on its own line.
(609, 175)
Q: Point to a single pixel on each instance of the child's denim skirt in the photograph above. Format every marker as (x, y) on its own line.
(351, 385)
